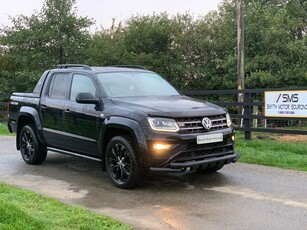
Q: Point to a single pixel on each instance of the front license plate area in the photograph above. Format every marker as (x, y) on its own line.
(209, 138)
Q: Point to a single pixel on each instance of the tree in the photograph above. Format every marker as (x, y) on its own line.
(107, 47)
(147, 40)
(54, 35)
(276, 44)
(192, 53)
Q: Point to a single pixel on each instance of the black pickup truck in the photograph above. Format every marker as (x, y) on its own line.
(127, 117)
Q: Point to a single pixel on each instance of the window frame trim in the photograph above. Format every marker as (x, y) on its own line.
(83, 74)
(51, 84)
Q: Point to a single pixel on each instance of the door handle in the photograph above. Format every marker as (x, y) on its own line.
(44, 107)
(67, 111)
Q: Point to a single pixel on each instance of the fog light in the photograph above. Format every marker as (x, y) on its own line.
(161, 146)
(233, 137)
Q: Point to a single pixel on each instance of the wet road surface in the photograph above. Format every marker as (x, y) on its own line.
(240, 196)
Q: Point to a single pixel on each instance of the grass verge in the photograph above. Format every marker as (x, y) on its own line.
(273, 152)
(4, 130)
(21, 209)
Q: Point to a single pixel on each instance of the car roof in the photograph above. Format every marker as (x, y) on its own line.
(99, 69)
(117, 69)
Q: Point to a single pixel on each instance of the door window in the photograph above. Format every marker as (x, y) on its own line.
(59, 86)
(81, 84)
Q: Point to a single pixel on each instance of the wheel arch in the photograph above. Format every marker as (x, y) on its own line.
(29, 116)
(119, 126)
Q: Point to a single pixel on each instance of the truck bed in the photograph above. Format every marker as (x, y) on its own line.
(31, 95)
(18, 100)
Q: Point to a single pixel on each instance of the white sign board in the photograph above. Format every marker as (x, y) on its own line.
(285, 103)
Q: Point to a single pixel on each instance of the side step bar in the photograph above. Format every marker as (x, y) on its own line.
(72, 154)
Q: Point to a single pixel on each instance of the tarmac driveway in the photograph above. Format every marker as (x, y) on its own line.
(240, 196)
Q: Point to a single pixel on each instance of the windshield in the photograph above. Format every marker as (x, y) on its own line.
(132, 84)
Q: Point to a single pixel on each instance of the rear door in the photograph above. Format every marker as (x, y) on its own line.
(52, 107)
(81, 120)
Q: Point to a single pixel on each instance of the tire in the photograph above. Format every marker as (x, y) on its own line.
(210, 169)
(121, 163)
(32, 151)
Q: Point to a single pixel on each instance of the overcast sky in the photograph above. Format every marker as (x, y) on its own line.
(102, 11)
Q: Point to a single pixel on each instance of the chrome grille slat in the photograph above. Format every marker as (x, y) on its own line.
(194, 124)
(213, 126)
(189, 122)
(222, 119)
(197, 127)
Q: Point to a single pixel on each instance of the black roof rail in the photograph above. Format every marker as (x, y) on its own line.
(128, 66)
(65, 66)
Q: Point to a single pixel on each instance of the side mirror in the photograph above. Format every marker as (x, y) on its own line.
(87, 98)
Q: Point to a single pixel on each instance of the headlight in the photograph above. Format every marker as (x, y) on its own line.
(228, 120)
(163, 124)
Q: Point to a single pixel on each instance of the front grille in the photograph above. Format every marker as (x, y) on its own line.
(195, 152)
(205, 153)
(194, 124)
(194, 146)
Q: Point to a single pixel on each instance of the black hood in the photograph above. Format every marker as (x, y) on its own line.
(170, 106)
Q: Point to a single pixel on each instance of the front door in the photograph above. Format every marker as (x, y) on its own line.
(81, 120)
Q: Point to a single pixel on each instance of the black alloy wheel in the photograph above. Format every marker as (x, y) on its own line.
(121, 163)
(27, 145)
(32, 151)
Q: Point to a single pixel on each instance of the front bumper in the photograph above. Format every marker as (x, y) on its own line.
(226, 159)
(205, 163)
(189, 154)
